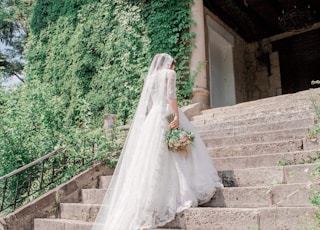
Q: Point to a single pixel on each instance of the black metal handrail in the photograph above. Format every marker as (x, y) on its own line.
(31, 164)
(43, 174)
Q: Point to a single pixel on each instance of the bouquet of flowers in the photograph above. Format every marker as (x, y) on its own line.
(178, 139)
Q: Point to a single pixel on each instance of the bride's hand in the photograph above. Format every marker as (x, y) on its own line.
(175, 123)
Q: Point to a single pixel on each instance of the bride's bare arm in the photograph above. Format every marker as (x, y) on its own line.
(174, 106)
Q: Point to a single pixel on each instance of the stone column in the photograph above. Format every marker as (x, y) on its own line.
(200, 90)
(108, 122)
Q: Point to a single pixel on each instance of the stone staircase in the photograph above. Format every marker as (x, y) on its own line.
(250, 144)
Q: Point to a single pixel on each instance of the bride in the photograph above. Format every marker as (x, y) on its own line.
(150, 183)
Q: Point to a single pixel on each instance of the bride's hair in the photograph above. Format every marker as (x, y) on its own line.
(160, 61)
(173, 62)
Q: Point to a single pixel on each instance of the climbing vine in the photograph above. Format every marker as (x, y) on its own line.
(101, 49)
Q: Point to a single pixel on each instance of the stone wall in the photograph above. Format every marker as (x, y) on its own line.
(262, 71)
(255, 77)
(253, 80)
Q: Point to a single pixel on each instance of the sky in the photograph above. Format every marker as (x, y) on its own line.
(12, 80)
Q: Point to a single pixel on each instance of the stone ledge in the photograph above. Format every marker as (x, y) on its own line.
(263, 160)
(311, 144)
(231, 122)
(267, 110)
(62, 224)
(271, 218)
(221, 218)
(47, 204)
(256, 149)
(191, 110)
(299, 98)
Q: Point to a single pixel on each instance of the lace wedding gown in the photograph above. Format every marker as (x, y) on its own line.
(151, 184)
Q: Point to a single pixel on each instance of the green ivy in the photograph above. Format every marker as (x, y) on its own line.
(101, 50)
(92, 55)
(168, 27)
(98, 52)
(85, 59)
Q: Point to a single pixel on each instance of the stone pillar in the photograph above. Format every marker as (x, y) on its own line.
(108, 122)
(200, 91)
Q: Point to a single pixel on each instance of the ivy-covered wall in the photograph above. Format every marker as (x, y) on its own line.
(87, 58)
(100, 50)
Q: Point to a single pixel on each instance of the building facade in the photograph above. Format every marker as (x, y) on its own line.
(231, 70)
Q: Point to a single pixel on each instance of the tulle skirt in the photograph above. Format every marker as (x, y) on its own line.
(156, 183)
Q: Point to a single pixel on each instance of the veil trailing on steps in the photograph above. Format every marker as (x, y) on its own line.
(151, 184)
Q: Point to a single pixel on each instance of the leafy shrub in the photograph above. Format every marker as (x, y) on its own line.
(102, 49)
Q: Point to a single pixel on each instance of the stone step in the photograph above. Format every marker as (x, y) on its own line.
(104, 181)
(271, 218)
(266, 176)
(261, 105)
(61, 224)
(298, 99)
(282, 135)
(297, 194)
(243, 197)
(265, 160)
(79, 211)
(257, 148)
(240, 178)
(219, 124)
(88, 212)
(66, 224)
(280, 195)
(264, 110)
(92, 196)
(305, 123)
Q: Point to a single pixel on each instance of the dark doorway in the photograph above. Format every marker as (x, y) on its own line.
(299, 58)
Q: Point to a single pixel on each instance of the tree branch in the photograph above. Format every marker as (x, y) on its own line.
(22, 80)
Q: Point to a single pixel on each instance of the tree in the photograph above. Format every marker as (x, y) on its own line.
(14, 31)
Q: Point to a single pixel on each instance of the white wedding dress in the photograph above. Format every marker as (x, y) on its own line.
(151, 184)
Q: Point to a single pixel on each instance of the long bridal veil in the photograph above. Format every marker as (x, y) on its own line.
(150, 184)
